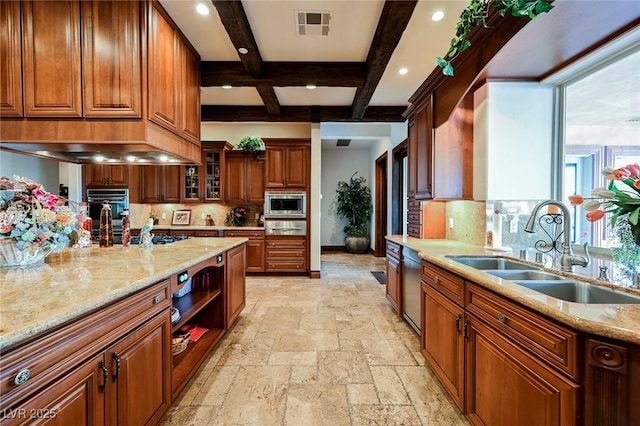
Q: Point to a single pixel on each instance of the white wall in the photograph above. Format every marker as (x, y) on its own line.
(338, 165)
(233, 132)
(36, 169)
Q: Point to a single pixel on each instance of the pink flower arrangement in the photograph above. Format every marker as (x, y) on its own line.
(621, 197)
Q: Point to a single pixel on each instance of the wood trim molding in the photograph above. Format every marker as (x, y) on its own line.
(314, 275)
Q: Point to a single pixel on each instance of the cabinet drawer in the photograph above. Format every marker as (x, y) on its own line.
(394, 250)
(551, 342)
(252, 235)
(413, 231)
(293, 244)
(288, 265)
(414, 217)
(207, 233)
(278, 253)
(48, 356)
(445, 282)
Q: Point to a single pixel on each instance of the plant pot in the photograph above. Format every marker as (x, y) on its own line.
(357, 245)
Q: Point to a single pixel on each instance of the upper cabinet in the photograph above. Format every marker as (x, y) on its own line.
(420, 152)
(111, 58)
(287, 163)
(174, 77)
(244, 178)
(103, 175)
(205, 183)
(10, 69)
(160, 184)
(51, 55)
(508, 145)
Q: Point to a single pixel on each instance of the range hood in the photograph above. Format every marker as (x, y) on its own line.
(89, 141)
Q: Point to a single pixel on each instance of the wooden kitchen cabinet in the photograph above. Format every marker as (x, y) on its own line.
(173, 77)
(112, 58)
(244, 178)
(205, 183)
(160, 184)
(442, 340)
(97, 175)
(287, 164)
(286, 253)
(394, 275)
(420, 151)
(51, 55)
(10, 66)
(255, 248)
(110, 367)
(235, 292)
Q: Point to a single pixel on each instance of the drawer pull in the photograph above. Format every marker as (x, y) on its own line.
(116, 358)
(466, 330)
(105, 377)
(458, 317)
(436, 279)
(502, 318)
(22, 376)
(157, 300)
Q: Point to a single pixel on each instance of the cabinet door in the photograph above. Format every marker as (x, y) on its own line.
(442, 341)
(10, 66)
(163, 70)
(118, 175)
(424, 153)
(111, 59)
(140, 370)
(235, 291)
(171, 184)
(255, 255)
(213, 174)
(412, 158)
(296, 167)
(77, 398)
(255, 181)
(150, 184)
(134, 184)
(394, 278)
(190, 92)
(51, 55)
(102, 175)
(191, 183)
(235, 179)
(507, 387)
(275, 166)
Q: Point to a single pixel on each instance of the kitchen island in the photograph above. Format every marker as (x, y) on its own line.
(493, 343)
(87, 335)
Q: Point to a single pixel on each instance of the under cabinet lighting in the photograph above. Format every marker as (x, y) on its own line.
(99, 158)
(164, 158)
(437, 15)
(131, 158)
(227, 86)
(202, 9)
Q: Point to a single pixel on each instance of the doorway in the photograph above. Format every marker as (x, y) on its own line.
(380, 246)
(399, 189)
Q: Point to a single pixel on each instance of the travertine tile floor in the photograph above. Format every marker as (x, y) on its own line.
(328, 351)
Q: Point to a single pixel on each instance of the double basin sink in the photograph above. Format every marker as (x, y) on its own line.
(547, 283)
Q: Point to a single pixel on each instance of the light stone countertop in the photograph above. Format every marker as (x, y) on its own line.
(207, 228)
(616, 321)
(78, 281)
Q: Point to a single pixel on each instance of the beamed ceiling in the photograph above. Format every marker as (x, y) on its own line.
(354, 68)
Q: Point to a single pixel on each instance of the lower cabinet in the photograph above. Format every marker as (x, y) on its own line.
(235, 291)
(255, 247)
(394, 275)
(286, 254)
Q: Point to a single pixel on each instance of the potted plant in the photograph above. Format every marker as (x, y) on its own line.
(252, 144)
(353, 202)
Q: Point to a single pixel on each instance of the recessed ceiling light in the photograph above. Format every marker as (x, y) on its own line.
(131, 158)
(99, 158)
(311, 86)
(227, 86)
(202, 9)
(243, 50)
(164, 158)
(437, 15)
(403, 70)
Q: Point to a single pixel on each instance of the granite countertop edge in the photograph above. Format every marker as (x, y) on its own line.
(77, 282)
(618, 321)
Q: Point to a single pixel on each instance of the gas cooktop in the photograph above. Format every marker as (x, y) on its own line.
(158, 239)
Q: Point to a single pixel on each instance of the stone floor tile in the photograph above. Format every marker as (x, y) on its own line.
(304, 374)
(214, 390)
(317, 404)
(387, 352)
(343, 367)
(247, 352)
(362, 393)
(190, 416)
(306, 340)
(314, 321)
(384, 415)
(389, 387)
(293, 358)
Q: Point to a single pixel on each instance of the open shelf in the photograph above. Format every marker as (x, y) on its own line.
(183, 363)
(191, 303)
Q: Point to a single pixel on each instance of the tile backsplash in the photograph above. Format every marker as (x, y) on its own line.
(140, 213)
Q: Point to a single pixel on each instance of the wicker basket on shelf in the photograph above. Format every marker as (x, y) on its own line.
(179, 343)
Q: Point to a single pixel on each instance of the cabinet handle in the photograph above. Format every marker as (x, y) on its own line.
(436, 279)
(105, 376)
(157, 300)
(116, 358)
(502, 318)
(466, 330)
(458, 317)
(22, 376)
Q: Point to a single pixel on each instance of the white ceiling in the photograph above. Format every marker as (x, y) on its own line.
(352, 28)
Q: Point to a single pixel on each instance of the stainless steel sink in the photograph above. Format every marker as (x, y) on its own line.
(579, 292)
(491, 263)
(525, 275)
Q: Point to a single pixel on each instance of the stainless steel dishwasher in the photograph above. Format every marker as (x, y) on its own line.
(411, 288)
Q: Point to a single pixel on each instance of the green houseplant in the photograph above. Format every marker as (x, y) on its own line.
(353, 202)
(252, 144)
(476, 14)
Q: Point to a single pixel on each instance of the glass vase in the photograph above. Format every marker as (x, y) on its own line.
(625, 249)
(12, 257)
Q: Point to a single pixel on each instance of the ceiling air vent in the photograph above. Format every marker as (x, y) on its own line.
(313, 23)
(343, 142)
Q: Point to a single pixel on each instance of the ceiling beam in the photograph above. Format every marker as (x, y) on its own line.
(283, 74)
(237, 25)
(300, 114)
(270, 99)
(393, 21)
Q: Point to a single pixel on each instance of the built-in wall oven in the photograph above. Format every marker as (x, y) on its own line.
(119, 200)
(281, 204)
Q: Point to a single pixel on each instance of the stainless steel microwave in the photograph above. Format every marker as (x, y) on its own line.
(285, 204)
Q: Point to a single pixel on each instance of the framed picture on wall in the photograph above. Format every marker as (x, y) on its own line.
(181, 217)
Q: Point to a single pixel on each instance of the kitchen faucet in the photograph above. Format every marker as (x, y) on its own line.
(568, 259)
